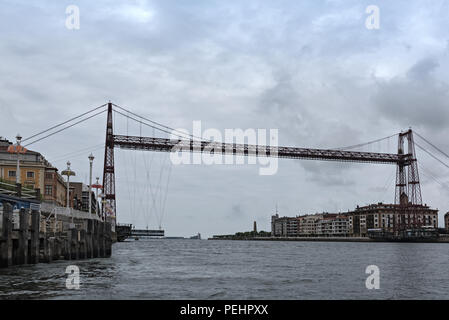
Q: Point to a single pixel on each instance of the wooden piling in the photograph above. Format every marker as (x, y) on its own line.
(34, 243)
(101, 239)
(22, 254)
(59, 243)
(89, 234)
(108, 239)
(74, 254)
(45, 249)
(82, 245)
(95, 239)
(6, 243)
(68, 245)
(50, 249)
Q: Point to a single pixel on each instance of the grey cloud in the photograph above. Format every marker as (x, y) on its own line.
(423, 69)
(236, 210)
(299, 66)
(417, 99)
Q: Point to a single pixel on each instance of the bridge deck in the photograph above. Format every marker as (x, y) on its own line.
(169, 145)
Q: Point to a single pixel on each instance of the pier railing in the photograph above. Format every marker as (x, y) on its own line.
(67, 212)
(18, 190)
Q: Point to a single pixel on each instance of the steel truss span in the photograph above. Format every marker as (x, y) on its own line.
(177, 145)
(408, 192)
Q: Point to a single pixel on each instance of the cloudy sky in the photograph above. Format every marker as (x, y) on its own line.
(310, 69)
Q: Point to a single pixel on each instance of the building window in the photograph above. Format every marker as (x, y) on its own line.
(49, 176)
(49, 190)
(11, 173)
(30, 174)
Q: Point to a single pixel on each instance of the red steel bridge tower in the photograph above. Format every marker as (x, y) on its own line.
(408, 197)
(109, 169)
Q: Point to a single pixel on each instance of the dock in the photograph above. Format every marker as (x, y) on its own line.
(30, 236)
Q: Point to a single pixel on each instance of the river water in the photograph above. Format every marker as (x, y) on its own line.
(200, 269)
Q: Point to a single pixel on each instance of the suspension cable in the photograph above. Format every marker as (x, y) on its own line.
(366, 143)
(76, 154)
(159, 124)
(149, 125)
(433, 156)
(65, 128)
(430, 175)
(425, 140)
(166, 192)
(63, 123)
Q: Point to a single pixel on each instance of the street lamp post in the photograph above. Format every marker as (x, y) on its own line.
(68, 185)
(68, 172)
(96, 196)
(91, 160)
(18, 139)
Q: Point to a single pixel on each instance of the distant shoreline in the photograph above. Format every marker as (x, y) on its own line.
(324, 239)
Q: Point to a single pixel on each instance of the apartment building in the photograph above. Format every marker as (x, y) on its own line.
(308, 224)
(341, 226)
(355, 223)
(284, 226)
(381, 216)
(81, 197)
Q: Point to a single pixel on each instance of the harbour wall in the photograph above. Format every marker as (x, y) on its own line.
(32, 236)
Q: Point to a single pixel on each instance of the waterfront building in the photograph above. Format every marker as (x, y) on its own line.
(81, 197)
(352, 223)
(340, 225)
(380, 216)
(35, 173)
(284, 226)
(32, 167)
(446, 221)
(324, 225)
(55, 188)
(308, 224)
(273, 224)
